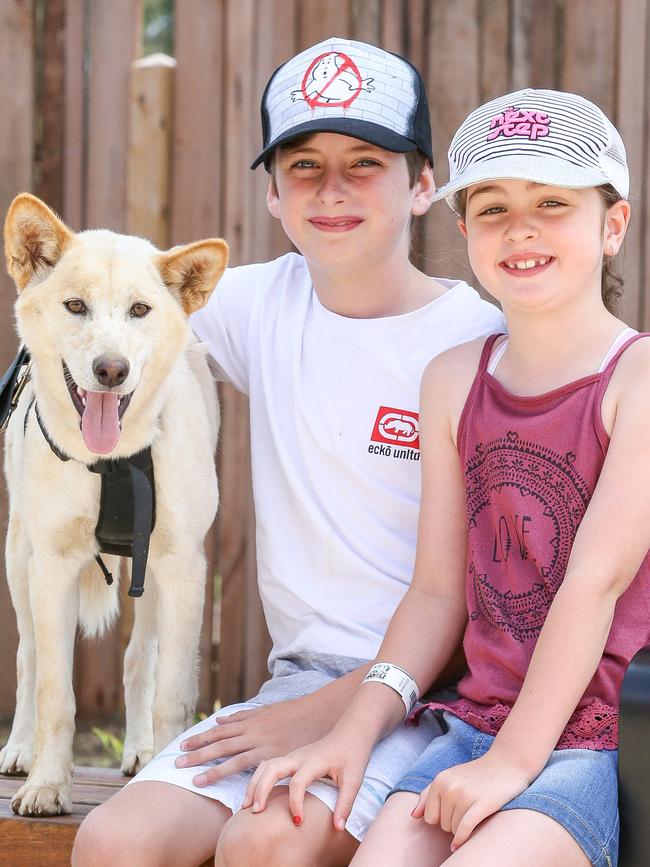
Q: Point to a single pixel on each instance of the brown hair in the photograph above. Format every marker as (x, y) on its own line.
(611, 283)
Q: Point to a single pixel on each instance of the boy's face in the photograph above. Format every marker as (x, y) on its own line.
(346, 204)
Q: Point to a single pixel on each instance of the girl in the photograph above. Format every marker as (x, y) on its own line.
(535, 542)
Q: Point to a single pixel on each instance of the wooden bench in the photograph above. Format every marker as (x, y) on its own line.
(28, 842)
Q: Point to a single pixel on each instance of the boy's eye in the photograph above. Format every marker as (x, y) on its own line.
(552, 203)
(494, 209)
(366, 162)
(303, 164)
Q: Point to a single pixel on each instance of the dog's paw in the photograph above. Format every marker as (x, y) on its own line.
(134, 759)
(33, 800)
(15, 761)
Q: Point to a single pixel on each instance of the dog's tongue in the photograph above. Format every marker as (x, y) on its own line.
(100, 423)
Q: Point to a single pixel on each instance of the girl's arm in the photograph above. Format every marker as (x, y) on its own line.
(426, 627)
(612, 541)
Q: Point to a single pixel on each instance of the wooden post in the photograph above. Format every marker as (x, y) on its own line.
(16, 146)
(74, 116)
(148, 173)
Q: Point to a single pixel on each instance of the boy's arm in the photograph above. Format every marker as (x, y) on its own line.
(610, 545)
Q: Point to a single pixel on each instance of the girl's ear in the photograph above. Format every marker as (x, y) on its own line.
(273, 199)
(617, 219)
(462, 227)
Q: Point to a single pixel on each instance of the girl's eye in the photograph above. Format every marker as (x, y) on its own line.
(552, 203)
(76, 306)
(139, 309)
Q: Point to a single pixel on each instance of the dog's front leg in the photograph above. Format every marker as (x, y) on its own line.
(139, 680)
(180, 584)
(16, 756)
(54, 598)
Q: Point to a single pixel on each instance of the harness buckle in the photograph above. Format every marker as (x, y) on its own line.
(21, 384)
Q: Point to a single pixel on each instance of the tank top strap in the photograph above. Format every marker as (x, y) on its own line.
(607, 369)
(471, 397)
(488, 346)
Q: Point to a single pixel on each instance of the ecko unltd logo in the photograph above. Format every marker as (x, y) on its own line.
(396, 427)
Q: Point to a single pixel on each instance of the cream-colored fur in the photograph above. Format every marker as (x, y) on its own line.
(53, 506)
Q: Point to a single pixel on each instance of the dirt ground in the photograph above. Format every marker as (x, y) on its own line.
(87, 747)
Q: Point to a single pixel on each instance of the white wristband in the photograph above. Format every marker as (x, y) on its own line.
(398, 679)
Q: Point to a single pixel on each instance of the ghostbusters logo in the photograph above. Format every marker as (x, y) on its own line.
(332, 79)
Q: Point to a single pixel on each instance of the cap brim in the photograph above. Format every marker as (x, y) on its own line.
(549, 171)
(362, 129)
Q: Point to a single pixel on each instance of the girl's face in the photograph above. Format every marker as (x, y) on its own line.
(534, 246)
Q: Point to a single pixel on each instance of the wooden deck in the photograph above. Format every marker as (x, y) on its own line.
(47, 842)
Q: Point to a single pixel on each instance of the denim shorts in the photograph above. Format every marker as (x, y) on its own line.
(578, 788)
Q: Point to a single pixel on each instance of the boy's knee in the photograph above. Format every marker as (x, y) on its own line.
(101, 842)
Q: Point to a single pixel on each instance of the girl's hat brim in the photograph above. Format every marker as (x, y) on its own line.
(537, 170)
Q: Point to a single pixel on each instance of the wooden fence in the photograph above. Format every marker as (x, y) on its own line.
(70, 99)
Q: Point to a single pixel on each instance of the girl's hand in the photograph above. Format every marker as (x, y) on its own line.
(340, 757)
(462, 797)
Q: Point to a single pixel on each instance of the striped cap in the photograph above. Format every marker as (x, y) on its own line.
(350, 88)
(544, 136)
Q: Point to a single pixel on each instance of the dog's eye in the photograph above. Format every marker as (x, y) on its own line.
(76, 306)
(139, 309)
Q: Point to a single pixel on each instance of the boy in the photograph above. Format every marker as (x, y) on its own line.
(330, 346)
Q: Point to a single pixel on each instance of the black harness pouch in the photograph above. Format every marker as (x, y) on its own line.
(10, 386)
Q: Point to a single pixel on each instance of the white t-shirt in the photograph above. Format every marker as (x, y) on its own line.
(335, 451)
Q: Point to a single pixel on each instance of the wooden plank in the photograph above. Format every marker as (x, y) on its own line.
(148, 169)
(589, 28)
(318, 21)
(16, 144)
(114, 31)
(535, 44)
(494, 35)
(74, 152)
(366, 19)
(48, 182)
(392, 27)
(113, 43)
(199, 121)
(632, 106)
(453, 82)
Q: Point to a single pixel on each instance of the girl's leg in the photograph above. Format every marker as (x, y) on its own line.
(519, 838)
(152, 825)
(397, 840)
(271, 839)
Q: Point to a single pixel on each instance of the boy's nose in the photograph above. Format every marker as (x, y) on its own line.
(332, 187)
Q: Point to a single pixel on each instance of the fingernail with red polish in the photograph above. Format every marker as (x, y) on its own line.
(297, 820)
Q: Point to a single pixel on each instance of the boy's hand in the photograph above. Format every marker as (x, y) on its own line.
(461, 797)
(342, 758)
(250, 736)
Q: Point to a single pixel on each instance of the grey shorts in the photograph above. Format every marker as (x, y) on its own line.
(578, 788)
(291, 679)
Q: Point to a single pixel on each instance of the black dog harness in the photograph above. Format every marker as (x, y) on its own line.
(127, 504)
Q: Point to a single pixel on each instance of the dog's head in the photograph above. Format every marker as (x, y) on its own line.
(103, 315)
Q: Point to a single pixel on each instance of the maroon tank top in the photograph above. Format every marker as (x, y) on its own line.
(531, 465)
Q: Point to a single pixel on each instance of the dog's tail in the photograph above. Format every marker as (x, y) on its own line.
(99, 603)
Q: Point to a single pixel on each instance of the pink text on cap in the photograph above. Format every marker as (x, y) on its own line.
(525, 122)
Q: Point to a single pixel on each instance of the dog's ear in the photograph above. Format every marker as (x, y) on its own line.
(35, 239)
(191, 272)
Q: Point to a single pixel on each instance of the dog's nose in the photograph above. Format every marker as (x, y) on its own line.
(110, 370)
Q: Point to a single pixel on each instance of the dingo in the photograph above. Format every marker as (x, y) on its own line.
(114, 372)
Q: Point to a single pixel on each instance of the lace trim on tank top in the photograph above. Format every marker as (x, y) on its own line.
(594, 727)
(619, 340)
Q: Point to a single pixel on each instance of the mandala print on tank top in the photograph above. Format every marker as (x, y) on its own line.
(515, 485)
